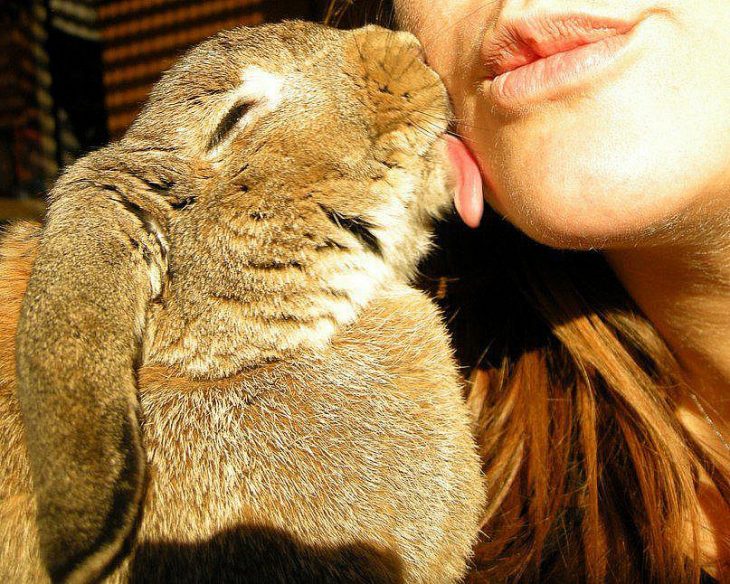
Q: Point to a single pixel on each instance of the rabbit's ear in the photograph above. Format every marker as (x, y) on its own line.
(78, 344)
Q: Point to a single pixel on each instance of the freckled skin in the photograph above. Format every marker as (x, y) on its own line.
(221, 365)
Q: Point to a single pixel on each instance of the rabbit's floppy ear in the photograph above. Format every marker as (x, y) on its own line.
(78, 343)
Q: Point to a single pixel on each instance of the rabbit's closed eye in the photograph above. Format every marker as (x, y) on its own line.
(229, 122)
(259, 92)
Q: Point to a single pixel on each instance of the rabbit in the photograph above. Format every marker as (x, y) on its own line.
(213, 364)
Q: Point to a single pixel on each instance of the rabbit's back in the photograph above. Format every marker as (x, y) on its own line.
(353, 463)
(353, 460)
(19, 555)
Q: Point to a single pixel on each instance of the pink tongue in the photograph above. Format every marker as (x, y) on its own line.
(468, 198)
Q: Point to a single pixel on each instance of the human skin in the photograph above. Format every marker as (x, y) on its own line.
(633, 159)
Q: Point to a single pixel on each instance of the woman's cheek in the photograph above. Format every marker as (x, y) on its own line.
(641, 148)
(617, 163)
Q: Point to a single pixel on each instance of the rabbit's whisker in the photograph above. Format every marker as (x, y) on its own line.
(457, 121)
(426, 87)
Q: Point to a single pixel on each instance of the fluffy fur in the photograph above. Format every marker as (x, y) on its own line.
(220, 363)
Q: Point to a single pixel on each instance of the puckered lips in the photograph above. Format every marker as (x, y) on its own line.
(535, 57)
(529, 59)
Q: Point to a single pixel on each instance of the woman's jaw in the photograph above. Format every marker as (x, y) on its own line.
(604, 135)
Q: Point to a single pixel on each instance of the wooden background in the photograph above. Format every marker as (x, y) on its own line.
(74, 73)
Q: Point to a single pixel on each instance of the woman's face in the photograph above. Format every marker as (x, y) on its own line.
(608, 145)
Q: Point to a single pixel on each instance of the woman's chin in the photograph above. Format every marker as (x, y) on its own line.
(589, 219)
(557, 233)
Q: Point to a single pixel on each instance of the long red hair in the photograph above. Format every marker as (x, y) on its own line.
(592, 477)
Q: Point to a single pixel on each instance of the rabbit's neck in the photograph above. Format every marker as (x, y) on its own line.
(219, 331)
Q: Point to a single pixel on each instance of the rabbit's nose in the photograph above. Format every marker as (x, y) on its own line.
(388, 45)
(410, 43)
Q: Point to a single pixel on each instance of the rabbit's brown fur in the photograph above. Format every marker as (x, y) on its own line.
(242, 288)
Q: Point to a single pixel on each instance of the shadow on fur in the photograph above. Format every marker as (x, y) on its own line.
(263, 555)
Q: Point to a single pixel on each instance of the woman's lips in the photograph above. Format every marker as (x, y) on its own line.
(545, 77)
(537, 58)
(532, 59)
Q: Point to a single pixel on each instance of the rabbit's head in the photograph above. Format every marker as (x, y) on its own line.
(303, 138)
(291, 170)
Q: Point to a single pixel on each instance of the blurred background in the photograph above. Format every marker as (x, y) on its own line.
(74, 73)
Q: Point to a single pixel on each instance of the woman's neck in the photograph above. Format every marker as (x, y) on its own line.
(685, 291)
